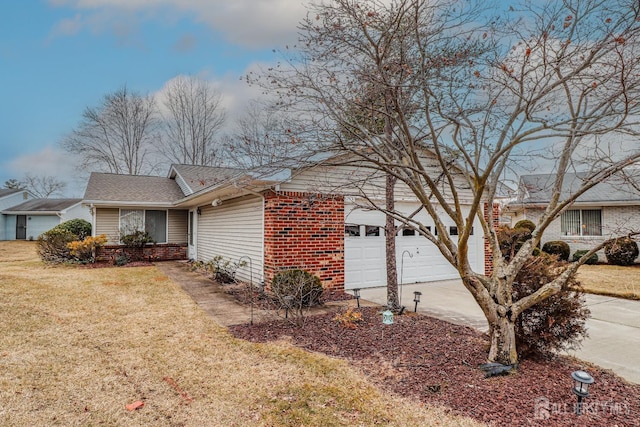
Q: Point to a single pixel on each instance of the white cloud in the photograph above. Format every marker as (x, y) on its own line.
(49, 161)
(68, 27)
(249, 23)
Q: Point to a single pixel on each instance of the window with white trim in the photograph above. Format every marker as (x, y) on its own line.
(581, 222)
(153, 222)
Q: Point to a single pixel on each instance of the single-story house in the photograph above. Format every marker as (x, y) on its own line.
(33, 217)
(304, 218)
(10, 197)
(609, 209)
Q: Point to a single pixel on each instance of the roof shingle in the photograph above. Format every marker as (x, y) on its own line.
(111, 187)
(44, 205)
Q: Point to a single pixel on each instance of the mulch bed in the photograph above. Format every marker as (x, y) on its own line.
(437, 362)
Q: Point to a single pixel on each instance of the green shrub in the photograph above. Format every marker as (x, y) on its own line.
(621, 251)
(78, 227)
(304, 288)
(137, 239)
(525, 223)
(593, 259)
(52, 245)
(121, 259)
(555, 324)
(559, 248)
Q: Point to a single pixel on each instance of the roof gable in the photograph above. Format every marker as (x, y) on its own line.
(194, 178)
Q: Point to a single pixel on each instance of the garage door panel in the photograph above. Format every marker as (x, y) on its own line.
(365, 264)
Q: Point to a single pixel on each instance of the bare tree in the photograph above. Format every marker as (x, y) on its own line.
(43, 185)
(261, 137)
(549, 75)
(193, 118)
(116, 136)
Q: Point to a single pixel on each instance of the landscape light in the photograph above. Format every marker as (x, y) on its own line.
(416, 299)
(387, 317)
(356, 294)
(581, 382)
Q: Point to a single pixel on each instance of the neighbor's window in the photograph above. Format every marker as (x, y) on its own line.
(153, 222)
(581, 222)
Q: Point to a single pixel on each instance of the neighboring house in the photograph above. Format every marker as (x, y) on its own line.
(30, 219)
(307, 218)
(10, 197)
(609, 209)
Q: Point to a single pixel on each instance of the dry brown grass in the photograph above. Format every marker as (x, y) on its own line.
(77, 345)
(612, 280)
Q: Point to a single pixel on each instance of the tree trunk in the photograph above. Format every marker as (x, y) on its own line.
(503, 342)
(393, 302)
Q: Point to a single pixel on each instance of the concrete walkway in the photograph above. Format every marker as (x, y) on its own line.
(221, 306)
(210, 296)
(614, 326)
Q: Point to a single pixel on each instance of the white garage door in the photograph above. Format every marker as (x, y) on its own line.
(418, 260)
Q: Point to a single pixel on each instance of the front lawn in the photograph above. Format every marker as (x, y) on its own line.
(78, 345)
(612, 280)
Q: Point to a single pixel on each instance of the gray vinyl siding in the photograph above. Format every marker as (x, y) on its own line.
(108, 222)
(234, 230)
(178, 226)
(354, 181)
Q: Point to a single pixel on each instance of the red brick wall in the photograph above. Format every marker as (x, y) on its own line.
(488, 253)
(306, 231)
(159, 252)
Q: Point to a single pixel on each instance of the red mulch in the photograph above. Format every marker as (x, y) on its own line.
(437, 362)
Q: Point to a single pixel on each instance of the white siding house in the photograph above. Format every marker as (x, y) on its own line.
(312, 218)
(10, 197)
(608, 210)
(28, 220)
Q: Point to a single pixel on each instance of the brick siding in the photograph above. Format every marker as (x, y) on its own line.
(306, 231)
(158, 252)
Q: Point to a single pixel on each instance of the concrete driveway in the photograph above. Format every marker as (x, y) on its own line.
(614, 326)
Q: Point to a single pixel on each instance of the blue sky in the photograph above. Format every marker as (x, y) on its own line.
(59, 56)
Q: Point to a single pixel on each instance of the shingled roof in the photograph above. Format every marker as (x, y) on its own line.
(200, 177)
(537, 189)
(43, 205)
(8, 191)
(109, 187)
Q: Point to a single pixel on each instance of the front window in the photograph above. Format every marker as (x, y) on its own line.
(153, 222)
(581, 222)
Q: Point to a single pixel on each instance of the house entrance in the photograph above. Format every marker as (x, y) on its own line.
(21, 227)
